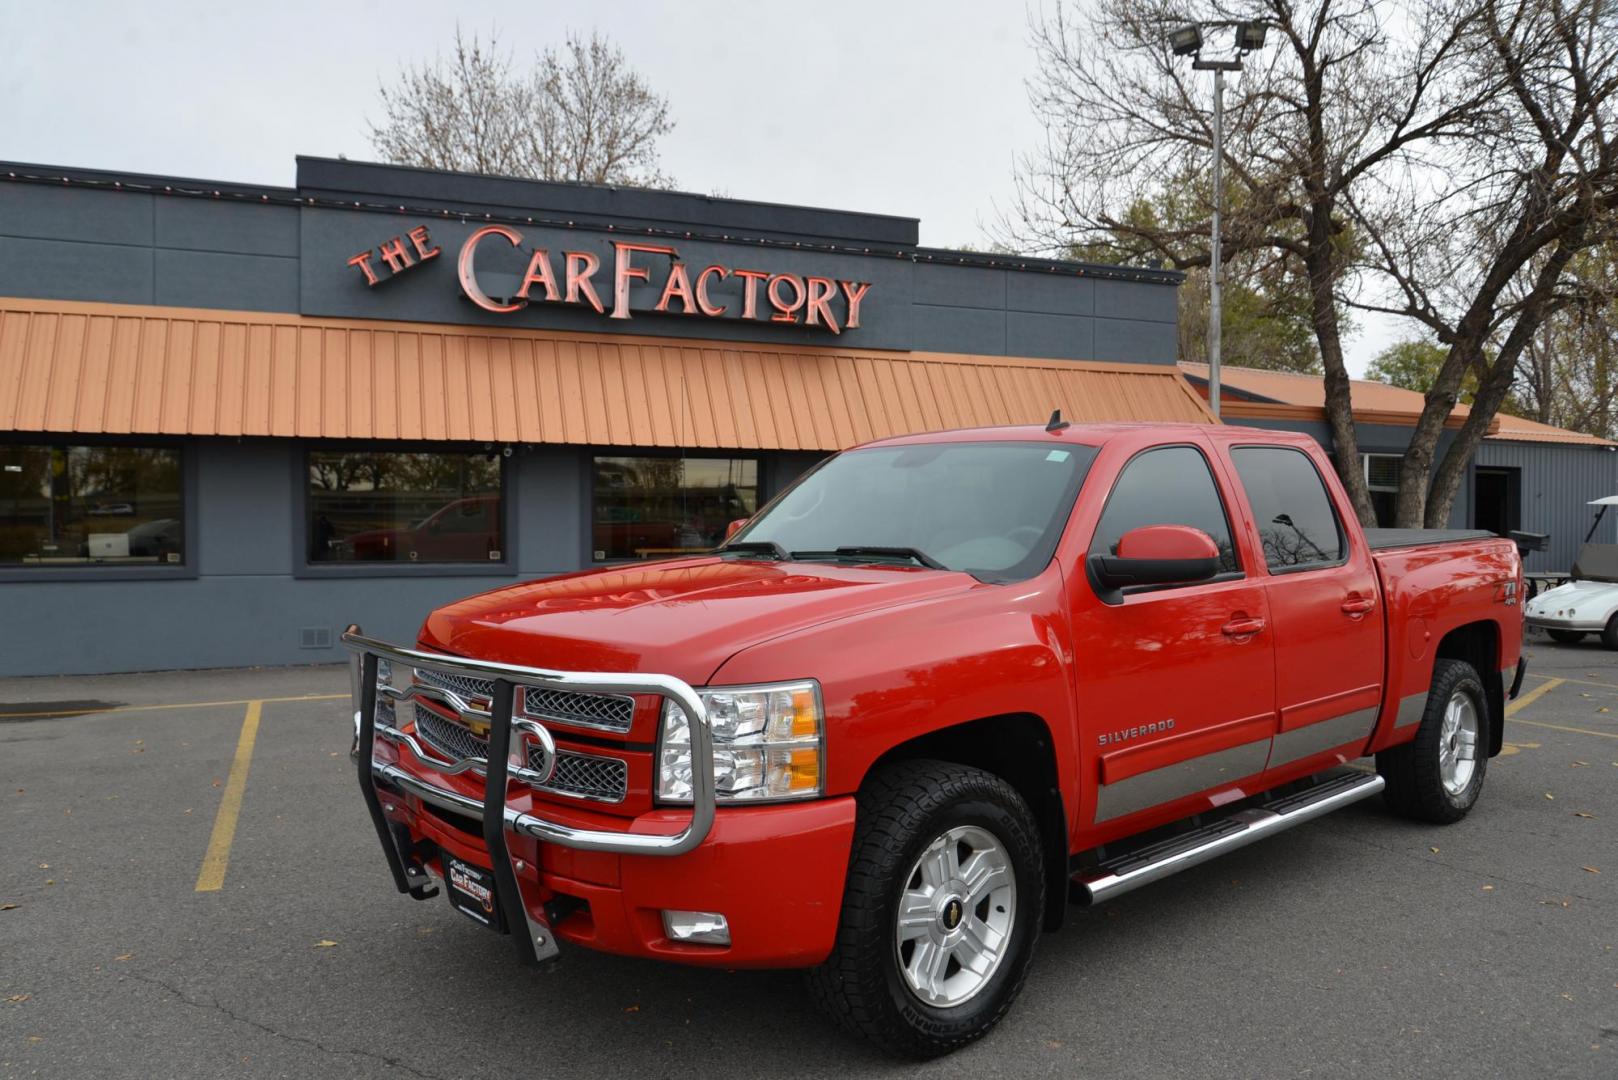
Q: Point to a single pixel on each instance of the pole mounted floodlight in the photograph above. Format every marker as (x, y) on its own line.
(1187, 40)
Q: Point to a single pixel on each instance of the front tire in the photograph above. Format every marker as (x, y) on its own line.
(943, 905)
(1568, 637)
(1438, 775)
(1609, 633)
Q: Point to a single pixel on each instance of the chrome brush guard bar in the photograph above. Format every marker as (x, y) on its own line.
(497, 770)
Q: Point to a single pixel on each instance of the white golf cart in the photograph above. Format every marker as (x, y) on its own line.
(1588, 603)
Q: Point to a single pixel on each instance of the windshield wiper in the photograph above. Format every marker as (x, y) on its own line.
(756, 547)
(875, 551)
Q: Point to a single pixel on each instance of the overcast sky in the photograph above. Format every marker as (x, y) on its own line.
(913, 108)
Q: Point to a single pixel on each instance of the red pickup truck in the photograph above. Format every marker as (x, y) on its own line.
(938, 689)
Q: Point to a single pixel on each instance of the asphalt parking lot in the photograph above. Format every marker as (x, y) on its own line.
(190, 888)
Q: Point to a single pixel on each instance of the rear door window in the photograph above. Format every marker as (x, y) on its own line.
(1296, 522)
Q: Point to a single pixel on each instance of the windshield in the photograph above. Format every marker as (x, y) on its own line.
(995, 510)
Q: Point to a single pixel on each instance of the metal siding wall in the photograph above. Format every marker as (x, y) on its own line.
(74, 243)
(1557, 481)
(246, 608)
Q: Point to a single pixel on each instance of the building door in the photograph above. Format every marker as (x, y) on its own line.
(1175, 685)
(1497, 499)
(1323, 601)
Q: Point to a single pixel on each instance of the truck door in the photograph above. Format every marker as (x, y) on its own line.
(1323, 602)
(1175, 685)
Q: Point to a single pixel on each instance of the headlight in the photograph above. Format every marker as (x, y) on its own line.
(767, 744)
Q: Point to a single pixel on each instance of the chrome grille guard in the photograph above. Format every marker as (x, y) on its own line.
(408, 873)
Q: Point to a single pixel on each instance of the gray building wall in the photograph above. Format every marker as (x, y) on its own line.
(250, 603)
(243, 597)
(81, 242)
(1557, 481)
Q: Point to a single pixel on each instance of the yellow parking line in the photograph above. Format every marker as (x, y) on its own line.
(1581, 682)
(211, 878)
(178, 705)
(1579, 730)
(1532, 696)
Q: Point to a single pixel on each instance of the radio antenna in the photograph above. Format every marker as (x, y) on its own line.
(1056, 423)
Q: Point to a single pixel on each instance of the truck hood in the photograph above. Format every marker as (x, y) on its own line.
(680, 618)
(1590, 599)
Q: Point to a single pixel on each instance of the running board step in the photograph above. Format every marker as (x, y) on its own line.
(1129, 872)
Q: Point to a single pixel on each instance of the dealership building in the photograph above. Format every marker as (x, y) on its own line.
(234, 419)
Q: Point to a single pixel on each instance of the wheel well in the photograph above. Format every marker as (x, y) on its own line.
(1018, 749)
(1479, 645)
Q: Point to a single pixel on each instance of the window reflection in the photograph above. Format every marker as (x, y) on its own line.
(659, 507)
(82, 505)
(394, 507)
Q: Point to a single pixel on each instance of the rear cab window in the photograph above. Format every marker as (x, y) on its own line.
(1297, 524)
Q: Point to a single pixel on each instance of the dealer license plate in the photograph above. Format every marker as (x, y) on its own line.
(471, 890)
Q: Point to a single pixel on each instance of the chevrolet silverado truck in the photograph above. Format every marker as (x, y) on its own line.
(938, 691)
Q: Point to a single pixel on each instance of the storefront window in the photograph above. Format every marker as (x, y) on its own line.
(658, 507)
(375, 507)
(90, 505)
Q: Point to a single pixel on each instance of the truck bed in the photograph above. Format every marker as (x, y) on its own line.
(1384, 539)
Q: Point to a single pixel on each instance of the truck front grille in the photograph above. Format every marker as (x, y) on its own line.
(586, 776)
(609, 712)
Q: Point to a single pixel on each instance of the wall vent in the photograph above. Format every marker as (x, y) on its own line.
(314, 637)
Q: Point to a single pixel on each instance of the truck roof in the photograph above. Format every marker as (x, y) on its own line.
(1099, 434)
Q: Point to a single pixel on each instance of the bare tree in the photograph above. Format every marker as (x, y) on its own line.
(1346, 96)
(1568, 372)
(1480, 244)
(581, 113)
(1453, 155)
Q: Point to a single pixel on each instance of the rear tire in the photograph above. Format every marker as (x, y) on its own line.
(1571, 637)
(1609, 633)
(927, 983)
(1438, 775)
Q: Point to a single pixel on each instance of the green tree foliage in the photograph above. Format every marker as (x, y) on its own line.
(1414, 365)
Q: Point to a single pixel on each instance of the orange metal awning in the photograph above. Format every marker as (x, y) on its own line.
(111, 368)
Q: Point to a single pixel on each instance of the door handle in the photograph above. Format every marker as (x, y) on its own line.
(1358, 605)
(1243, 627)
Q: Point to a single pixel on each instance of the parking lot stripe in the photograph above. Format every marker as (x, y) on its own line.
(1579, 730)
(177, 705)
(211, 878)
(1532, 696)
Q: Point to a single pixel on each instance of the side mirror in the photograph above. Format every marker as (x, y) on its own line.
(1155, 555)
(735, 527)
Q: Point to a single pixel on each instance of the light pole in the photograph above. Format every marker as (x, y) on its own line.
(1188, 41)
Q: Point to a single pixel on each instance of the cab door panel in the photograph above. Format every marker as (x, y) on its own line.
(1325, 607)
(1175, 685)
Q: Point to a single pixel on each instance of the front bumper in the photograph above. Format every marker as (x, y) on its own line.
(775, 872)
(1552, 622)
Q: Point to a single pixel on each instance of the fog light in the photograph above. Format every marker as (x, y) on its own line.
(697, 927)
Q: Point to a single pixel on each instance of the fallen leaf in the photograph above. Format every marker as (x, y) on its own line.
(8, 907)
(1488, 888)
(1433, 850)
(1603, 709)
(1590, 869)
(44, 866)
(1548, 795)
(325, 943)
(15, 998)
(216, 783)
(50, 881)
(125, 956)
(1578, 764)
(632, 1008)
(1581, 813)
(1567, 997)
(1557, 903)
